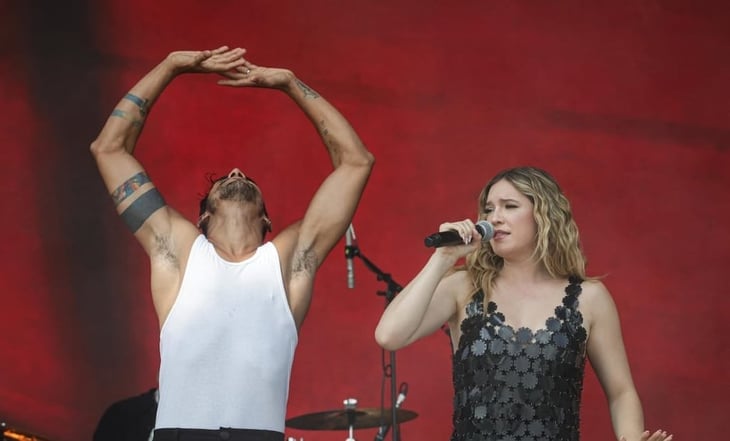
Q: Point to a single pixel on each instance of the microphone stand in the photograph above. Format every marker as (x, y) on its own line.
(392, 290)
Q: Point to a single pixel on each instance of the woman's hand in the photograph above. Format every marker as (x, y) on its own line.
(469, 235)
(659, 435)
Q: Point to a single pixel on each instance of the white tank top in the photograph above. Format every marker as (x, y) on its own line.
(227, 345)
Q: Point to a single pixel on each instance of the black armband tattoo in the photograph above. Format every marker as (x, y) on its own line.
(142, 208)
(128, 187)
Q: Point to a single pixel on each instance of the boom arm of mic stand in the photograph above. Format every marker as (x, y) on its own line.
(389, 294)
(393, 287)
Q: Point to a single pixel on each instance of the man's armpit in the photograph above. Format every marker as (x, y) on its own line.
(164, 251)
(305, 262)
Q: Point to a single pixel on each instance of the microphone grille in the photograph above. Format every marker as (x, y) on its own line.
(485, 229)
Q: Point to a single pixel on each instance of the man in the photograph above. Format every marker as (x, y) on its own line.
(229, 305)
(129, 419)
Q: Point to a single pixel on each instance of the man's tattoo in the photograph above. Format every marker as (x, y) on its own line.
(323, 130)
(142, 104)
(305, 261)
(142, 208)
(308, 91)
(122, 114)
(329, 143)
(128, 187)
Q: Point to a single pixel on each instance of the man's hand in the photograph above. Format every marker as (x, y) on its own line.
(251, 75)
(218, 60)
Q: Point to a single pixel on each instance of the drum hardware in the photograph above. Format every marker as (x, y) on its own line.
(349, 418)
(10, 433)
(389, 371)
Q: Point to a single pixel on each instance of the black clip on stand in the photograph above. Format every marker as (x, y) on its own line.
(392, 290)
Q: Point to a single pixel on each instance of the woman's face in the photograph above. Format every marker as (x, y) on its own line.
(511, 214)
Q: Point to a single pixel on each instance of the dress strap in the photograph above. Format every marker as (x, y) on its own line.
(476, 306)
(572, 291)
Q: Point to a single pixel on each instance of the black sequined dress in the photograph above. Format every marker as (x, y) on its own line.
(519, 385)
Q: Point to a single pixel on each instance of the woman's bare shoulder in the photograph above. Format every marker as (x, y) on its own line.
(596, 301)
(460, 285)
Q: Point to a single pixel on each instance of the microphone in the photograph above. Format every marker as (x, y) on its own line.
(350, 252)
(448, 238)
(402, 392)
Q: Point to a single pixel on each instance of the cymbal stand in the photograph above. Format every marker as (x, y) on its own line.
(389, 294)
(350, 405)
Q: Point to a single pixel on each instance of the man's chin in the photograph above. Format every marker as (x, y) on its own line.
(238, 192)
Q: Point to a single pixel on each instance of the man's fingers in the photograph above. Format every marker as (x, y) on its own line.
(249, 64)
(232, 54)
(228, 82)
(230, 75)
(220, 50)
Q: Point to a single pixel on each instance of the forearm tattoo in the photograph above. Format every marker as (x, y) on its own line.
(329, 143)
(141, 209)
(124, 115)
(323, 130)
(128, 187)
(305, 261)
(308, 91)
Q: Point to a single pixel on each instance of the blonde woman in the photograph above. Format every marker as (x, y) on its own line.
(523, 316)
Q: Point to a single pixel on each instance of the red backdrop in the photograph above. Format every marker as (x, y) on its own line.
(625, 103)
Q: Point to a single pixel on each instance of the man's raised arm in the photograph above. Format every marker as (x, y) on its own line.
(136, 198)
(333, 206)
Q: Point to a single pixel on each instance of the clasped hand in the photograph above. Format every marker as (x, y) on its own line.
(231, 64)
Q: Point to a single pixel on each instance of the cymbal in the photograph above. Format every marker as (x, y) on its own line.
(362, 418)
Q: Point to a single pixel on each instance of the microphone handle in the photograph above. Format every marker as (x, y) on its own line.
(382, 431)
(442, 239)
(450, 237)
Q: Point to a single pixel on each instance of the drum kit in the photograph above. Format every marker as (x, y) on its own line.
(350, 418)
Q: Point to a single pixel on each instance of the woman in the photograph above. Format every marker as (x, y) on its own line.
(522, 316)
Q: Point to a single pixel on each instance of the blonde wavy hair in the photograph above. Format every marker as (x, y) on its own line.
(558, 247)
